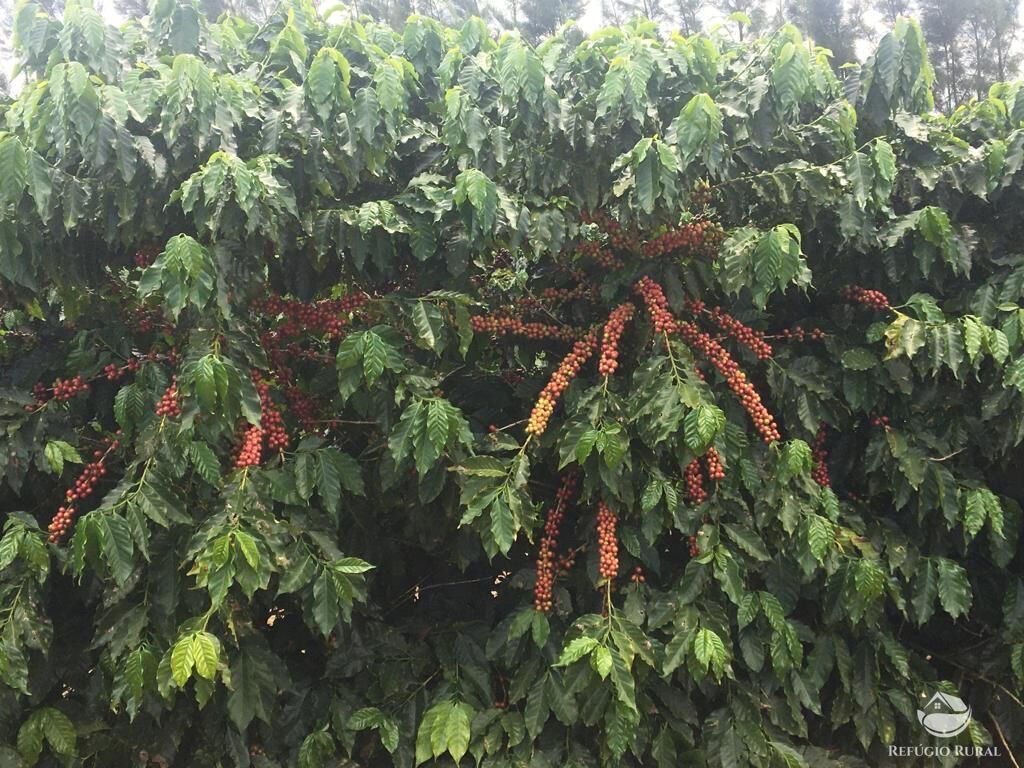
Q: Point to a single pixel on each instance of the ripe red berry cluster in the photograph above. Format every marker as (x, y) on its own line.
(502, 325)
(547, 555)
(567, 370)
(748, 337)
(617, 236)
(797, 333)
(881, 421)
(734, 377)
(691, 542)
(65, 389)
(637, 577)
(613, 329)
(657, 305)
(302, 405)
(869, 298)
(607, 542)
(592, 249)
(701, 238)
(146, 255)
(168, 405)
(328, 316)
(695, 483)
(270, 417)
(716, 471)
(819, 455)
(83, 487)
(251, 453)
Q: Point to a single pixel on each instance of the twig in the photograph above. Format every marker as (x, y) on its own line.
(1002, 738)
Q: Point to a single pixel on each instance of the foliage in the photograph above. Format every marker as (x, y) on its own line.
(283, 297)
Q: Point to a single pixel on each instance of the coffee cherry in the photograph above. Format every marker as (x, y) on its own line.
(66, 389)
(695, 239)
(867, 297)
(146, 255)
(691, 542)
(663, 322)
(695, 483)
(559, 382)
(502, 325)
(329, 316)
(637, 577)
(168, 405)
(271, 420)
(547, 566)
(713, 461)
(252, 448)
(607, 543)
(657, 305)
(819, 454)
(748, 337)
(613, 329)
(82, 488)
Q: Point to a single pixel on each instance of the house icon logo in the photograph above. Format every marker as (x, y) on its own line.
(944, 715)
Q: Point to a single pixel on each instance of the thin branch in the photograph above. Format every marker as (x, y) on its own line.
(1002, 738)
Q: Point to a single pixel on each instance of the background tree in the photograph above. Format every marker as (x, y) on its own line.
(832, 24)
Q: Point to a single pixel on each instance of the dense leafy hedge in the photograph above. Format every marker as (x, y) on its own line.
(401, 396)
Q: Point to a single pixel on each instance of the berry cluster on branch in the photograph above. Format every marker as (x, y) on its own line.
(797, 333)
(819, 456)
(328, 316)
(271, 420)
(67, 389)
(560, 379)
(691, 544)
(694, 480)
(657, 305)
(146, 255)
(168, 405)
(748, 337)
(604, 258)
(701, 239)
(83, 488)
(502, 325)
(856, 294)
(547, 555)
(734, 377)
(716, 471)
(251, 453)
(607, 542)
(613, 329)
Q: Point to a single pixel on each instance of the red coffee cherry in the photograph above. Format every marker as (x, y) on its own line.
(608, 544)
(547, 563)
(613, 329)
(867, 297)
(168, 405)
(65, 389)
(503, 325)
(252, 448)
(713, 461)
(271, 420)
(637, 577)
(83, 487)
(819, 454)
(691, 542)
(559, 382)
(748, 337)
(695, 483)
(657, 305)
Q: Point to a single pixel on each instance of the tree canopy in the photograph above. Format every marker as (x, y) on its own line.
(423, 396)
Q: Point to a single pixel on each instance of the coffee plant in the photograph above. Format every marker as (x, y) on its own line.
(380, 397)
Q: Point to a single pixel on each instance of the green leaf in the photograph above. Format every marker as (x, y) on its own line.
(708, 649)
(576, 650)
(13, 169)
(206, 654)
(954, 589)
(457, 730)
(182, 660)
